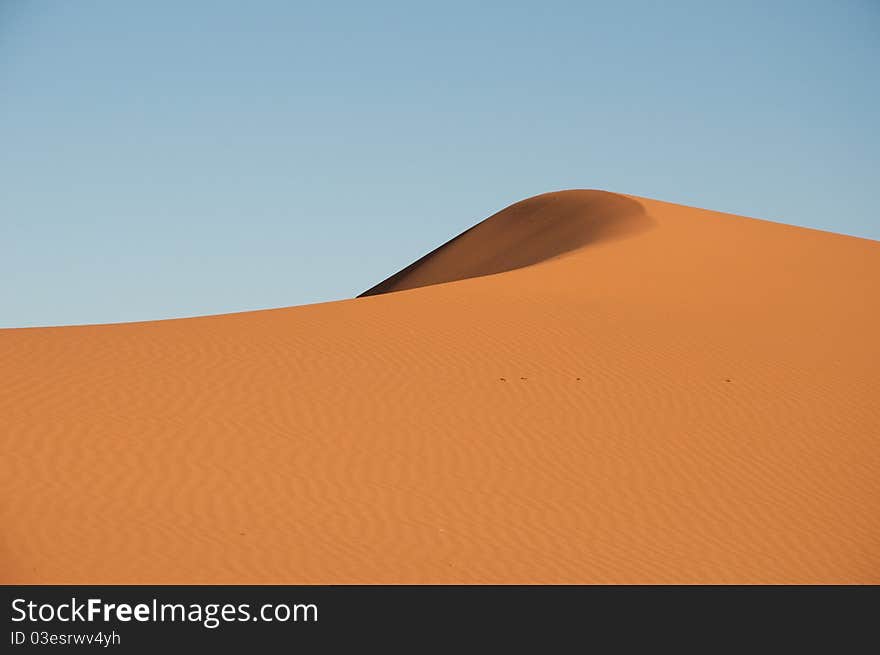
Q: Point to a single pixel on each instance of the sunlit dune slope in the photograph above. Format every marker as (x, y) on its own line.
(584, 388)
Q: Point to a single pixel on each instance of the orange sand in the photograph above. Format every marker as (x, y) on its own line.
(607, 389)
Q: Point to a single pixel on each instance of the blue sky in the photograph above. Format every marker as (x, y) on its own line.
(166, 159)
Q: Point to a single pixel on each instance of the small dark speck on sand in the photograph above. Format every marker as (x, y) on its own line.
(523, 378)
(728, 380)
(503, 379)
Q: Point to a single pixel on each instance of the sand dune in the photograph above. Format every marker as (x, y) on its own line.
(584, 388)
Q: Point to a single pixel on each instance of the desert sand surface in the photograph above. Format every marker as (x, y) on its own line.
(584, 388)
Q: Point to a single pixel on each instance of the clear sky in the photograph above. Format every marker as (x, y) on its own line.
(163, 159)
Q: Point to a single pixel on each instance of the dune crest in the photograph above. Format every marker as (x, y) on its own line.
(528, 232)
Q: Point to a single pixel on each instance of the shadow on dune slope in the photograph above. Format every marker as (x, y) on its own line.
(526, 233)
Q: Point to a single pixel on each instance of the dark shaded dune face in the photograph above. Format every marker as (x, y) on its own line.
(524, 234)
